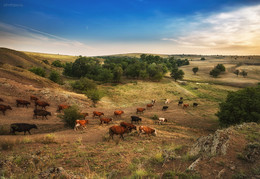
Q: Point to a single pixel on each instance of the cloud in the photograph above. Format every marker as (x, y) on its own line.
(12, 5)
(28, 39)
(231, 31)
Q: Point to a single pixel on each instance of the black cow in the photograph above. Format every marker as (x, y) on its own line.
(41, 112)
(164, 108)
(135, 119)
(180, 103)
(195, 104)
(22, 127)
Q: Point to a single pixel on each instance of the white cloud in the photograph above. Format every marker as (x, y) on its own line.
(228, 31)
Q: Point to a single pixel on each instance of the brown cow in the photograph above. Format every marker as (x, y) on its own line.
(22, 102)
(62, 107)
(140, 110)
(41, 112)
(33, 98)
(118, 130)
(84, 115)
(147, 130)
(118, 113)
(96, 113)
(185, 106)
(3, 108)
(43, 104)
(128, 125)
(80, 123)
(148, 106)
(105, 120)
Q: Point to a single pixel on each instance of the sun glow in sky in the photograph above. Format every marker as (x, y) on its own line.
(105, 27)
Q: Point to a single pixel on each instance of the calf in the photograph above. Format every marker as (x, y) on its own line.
(84, 115)
(62, 107)
(180, 103)
(105, 120)
(195, 104)
(41, 112)
(153, 101)
(118, 113)
(22, 127)
(164, 108)
(43, 104)
(128, 125)
(3, 108)
(22, 102)
(148, 106)
(96, 113)
(161, 120)
(140, 110)
(147, 130)
(167, 101)
(135, 119)
(185, 105)
(80, 123)
(118, 130)
(33, 98)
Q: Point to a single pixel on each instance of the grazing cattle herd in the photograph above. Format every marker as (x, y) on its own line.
(123, 128)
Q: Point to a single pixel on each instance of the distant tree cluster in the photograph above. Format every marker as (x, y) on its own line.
(240, 106)
(114, 68)
(243, 73)
(217, 70)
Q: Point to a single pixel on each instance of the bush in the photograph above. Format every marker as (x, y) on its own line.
(203, 58)
(94, 95)
(46, 62)
(70, 116)
(195, 70)
(177, 74)
(55, 77)
(215, 72)
(38, 71)
(221, 67)
(241, 106)
(57, 63)
(84, 84)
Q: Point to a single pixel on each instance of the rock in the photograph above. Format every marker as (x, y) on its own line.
(233, 167)
(194, 164)
(221, 174)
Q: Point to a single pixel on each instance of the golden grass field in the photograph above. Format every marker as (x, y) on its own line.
(88, 153)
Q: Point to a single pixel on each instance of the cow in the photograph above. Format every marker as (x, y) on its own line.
(164, 108)
(1, 100)
(128, 125)
(3, 108)
(22, 102)
(181, 98)
(96, 113)
(147, 130)
(140, 110)
(167, 101)
(153, 101)
(118, 113)
(105, 120)
(117, 130)
(22, 127)
(180, 103)
(84, 115)
(41, 112)
(33, 98)
(195, 104)
(43, 104)
(62, 107)
(135, 119)
(162, 120)
(185, 106)
(80, 123)
(148, 106)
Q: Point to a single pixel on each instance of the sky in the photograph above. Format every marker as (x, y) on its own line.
(105, 27)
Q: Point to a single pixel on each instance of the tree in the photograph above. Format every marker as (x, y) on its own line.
(236, 72)
(57, 63)
(177, 74)
(117, 72)
(221, 67)
(38, 71)
(70, 116)
(240, 106)
(84, 84)
(95, 95)
(55, 77)
(244, 73)
(203, 58)
(195, 70)
(215, 72)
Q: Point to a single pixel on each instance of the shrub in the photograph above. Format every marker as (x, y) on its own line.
(84, 84)
(177, 74)
(221, 67)
(38, 71)
(94, 95)
(195, 70)
(70, 116)
(244, 73)
(236, 72)
(203, 58)
(241, 106)
(55, 77)
(57, 63)
(46, 62)
(215, 72)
